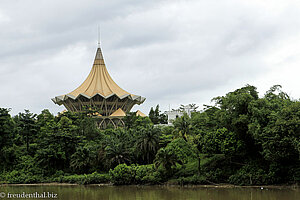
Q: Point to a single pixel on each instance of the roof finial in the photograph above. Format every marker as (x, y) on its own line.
(98, 36)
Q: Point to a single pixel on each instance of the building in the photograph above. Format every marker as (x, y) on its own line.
(101, 92)
(173, 114)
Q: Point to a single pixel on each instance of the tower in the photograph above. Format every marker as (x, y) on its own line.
(101, 92)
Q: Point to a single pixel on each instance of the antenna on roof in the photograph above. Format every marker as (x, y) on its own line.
(98, 36)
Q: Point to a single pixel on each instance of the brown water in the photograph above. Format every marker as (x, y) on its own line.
(151, 192)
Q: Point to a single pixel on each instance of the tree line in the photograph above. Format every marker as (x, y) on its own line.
(241, 139)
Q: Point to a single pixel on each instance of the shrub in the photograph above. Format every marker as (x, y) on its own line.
(152, 178)
(79, 179)
(146, 174)
(21, 176)
(93, 178)
(122, 174)
(252, 175)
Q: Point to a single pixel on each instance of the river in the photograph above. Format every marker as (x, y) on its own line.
(93, 192)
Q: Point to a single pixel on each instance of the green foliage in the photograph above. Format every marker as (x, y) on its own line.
(84, 179)
(21, 176)
(122, 175)
(131, 120)
(146, 174)
(134, 174)
(176, 152)
(221, 141)
(252, 174)
(85, 157)
(243, 139)
(156, 117)
(27, 127)
(183, 126)
(25, 172)
(6, 127)
(147, 143)
(206, 121)
(119, 147)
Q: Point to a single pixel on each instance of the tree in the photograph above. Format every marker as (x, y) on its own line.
(118, 147)
(157, 117)
(166, 159)
(117, 153)
(176, 152)
(67, 138)
(154, 115)
(57, 141)
(235, 115)
(163, 118)
(131, 120)
(183, 125)
(6, 127)
(220, 141)
(84, 160)
(147, 142)
(206, 120)
(27, 126)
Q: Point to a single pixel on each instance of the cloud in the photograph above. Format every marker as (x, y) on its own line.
(171, 52)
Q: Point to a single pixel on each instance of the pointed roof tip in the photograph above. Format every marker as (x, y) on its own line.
(99, 55)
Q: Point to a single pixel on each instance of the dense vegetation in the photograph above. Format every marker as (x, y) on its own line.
(243, 139)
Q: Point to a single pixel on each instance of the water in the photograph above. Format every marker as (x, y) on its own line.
(94, 192)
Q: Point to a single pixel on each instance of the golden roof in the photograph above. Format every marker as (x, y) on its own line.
(139, 113)
(118, 113)
(99, 81)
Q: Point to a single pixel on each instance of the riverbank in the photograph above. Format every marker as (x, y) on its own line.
(293, 186)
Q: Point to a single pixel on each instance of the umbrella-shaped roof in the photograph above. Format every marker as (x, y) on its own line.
(98, 82)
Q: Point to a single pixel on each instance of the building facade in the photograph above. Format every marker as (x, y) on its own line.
(173, 114)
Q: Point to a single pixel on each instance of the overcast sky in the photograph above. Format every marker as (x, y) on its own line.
(172, 52)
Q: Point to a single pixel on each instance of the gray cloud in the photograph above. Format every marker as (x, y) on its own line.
(171, 52)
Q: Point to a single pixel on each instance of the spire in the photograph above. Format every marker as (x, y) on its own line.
(98, 36)
(99, 55)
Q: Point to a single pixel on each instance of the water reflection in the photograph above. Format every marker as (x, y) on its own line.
(157, 192)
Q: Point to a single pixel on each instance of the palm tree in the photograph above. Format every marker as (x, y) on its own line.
(166, 159)
(80, 159)
(116, 153)
(183, 125)
(148, 142)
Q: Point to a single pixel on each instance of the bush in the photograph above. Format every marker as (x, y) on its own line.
(79, 179)
(146, 174)
(16, 177)
(93, 178)
(122, 174)
(154, 178)
(141, 171)
(252, 175)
